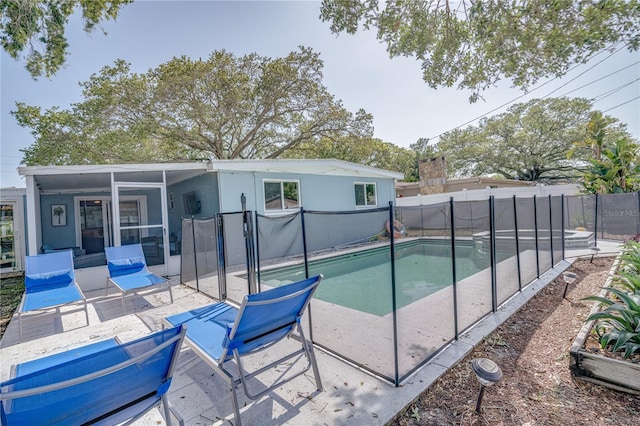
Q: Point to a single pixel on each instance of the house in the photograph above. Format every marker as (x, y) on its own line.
(434, 180)
(12, 235)
(72, 207)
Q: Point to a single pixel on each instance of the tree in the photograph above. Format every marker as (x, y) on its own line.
(33, 30)
(367, 151)
(224, 107)
(474, 44)
(529, 142)
(614, 167)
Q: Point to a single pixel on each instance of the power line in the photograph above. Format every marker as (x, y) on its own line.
(612, 91)
(582, 73)
(536, 88)
(619, 105)
(601, 78)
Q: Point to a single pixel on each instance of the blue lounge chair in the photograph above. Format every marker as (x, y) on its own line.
(49, 283)
(102, 383)
(221, 333)
(128, 270)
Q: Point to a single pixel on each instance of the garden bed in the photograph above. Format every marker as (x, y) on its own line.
(591, 363)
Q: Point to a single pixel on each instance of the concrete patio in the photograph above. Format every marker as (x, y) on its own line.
(350, 396)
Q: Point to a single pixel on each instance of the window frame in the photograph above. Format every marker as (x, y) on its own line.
(366, 201)
(283, 208)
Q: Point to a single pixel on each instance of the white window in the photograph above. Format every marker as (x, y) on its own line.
(365, 194)
(280, 195)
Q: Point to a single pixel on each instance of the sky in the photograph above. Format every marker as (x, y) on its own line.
(357, 69)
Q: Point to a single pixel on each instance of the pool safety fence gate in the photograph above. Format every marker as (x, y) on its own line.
(401, 283)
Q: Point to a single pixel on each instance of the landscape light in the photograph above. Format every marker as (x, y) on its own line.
(568, 277)
(487, 373)
(594, 251)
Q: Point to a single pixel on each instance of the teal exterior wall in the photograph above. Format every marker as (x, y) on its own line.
(317, 192)
(58, 236)
(206, 190)
(65, 236)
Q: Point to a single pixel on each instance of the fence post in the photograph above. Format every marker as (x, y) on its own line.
(257, 228)
(595, 224)
(492, 253)
(535, 226)
(515, 225)
(247, 231)
(222, 268)
(195, 253)
(551, 231)
(638, 216)
(393, 297)
(304, 243)
(453, 269)
(562, 227)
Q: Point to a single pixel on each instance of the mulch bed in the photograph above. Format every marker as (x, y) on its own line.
(532, 349)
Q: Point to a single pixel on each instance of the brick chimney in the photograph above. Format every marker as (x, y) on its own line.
(433, 175)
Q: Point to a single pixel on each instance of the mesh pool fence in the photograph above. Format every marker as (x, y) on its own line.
(447, 267)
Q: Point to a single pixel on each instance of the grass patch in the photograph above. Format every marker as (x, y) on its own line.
(11, 290)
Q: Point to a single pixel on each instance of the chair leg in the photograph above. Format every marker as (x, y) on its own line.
(236, 406)
(170, 293)
(86, 312)
(106, 290)
(170, 412)
(308, 347)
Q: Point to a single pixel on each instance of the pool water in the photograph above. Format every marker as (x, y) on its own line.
(362, 280)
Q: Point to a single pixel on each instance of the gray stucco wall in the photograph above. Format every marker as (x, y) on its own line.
(317, 192)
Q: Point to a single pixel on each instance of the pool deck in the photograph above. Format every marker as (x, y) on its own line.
(350, 396)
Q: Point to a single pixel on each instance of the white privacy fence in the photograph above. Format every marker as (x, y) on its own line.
(540, 190)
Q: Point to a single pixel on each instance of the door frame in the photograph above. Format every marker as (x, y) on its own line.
(162, 187)
(107, 215)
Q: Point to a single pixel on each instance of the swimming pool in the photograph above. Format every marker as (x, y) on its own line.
(362, 280)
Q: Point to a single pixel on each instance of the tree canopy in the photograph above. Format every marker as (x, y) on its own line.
(528, 142)
(474, 44)
(615, 164)
(33, 30)
(223, 107)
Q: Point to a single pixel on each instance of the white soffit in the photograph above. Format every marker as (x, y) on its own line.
(306, 166)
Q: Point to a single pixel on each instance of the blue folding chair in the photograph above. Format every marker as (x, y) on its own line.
(103, 383)
(50, 283)
(128, 271)
(221, 333)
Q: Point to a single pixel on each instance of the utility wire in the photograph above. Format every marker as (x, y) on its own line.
(534, 89)
(612, 91)
(601, 78)
(582, 73)
(619, 105)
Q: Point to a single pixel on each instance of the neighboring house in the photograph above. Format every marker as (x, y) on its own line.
(434, 180)
(12, 235)
(411, 189)
(72, 207)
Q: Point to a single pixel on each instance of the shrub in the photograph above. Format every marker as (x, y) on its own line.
(618, 324)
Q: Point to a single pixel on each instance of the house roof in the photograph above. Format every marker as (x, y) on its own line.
(98, 176)
(307, 166)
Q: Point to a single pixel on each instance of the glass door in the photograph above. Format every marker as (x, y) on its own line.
(93, 225)
(142, 224)
(96, 226)
(7, 236)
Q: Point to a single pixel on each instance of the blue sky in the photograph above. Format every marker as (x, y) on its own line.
(357, 69)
